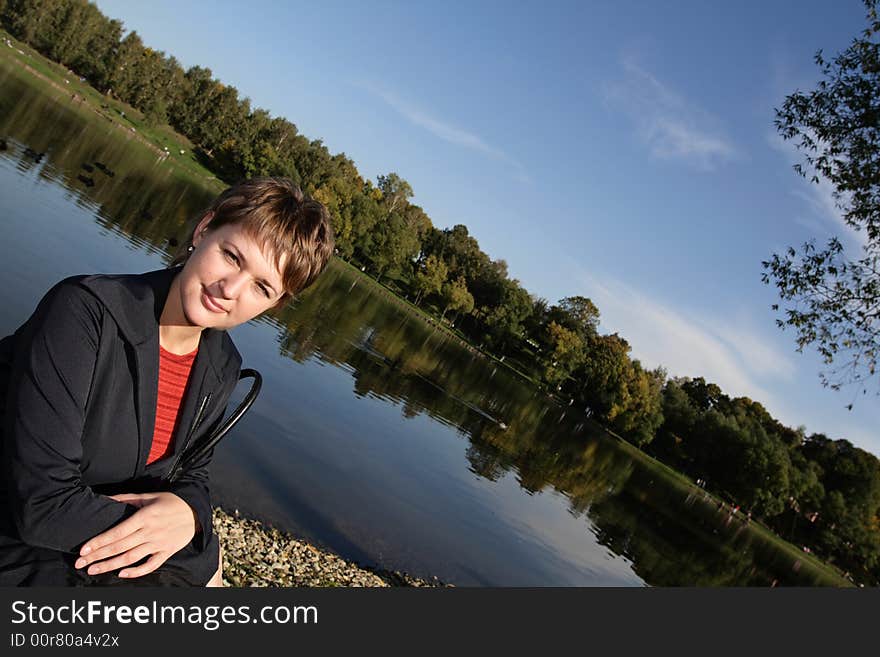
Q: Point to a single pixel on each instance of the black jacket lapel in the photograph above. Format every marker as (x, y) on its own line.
(147, 389)
(137, 305)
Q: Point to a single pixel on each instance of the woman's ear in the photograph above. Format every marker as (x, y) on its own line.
(201, 228)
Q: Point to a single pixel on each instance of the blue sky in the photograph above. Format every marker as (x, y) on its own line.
(619, 150)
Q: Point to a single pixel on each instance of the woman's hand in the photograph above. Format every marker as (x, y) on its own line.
(162, 525)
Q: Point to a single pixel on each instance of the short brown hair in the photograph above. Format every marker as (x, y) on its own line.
(275, 214)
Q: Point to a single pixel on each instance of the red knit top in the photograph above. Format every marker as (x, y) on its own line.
(174, 372)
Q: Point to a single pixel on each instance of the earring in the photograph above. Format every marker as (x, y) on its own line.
(190, 248)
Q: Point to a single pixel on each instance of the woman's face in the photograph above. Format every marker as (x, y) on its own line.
(227, 280)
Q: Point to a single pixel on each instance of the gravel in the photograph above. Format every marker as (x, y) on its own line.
(257, 555)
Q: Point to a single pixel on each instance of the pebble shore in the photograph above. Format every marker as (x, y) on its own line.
(256, 555)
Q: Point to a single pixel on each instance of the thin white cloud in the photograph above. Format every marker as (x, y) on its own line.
(717, 348)
(443, 129)
(819, 198)
(672, 127)
(759, 358)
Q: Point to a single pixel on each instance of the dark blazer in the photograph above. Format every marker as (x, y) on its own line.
(81, 378)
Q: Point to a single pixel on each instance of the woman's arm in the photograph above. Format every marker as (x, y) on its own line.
(164, 523)
(45, 415)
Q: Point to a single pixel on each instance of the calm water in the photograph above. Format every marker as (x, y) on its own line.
(375, 435)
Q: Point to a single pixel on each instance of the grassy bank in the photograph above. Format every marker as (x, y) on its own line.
(56, 80)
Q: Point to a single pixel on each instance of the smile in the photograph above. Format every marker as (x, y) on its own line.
(209, 303)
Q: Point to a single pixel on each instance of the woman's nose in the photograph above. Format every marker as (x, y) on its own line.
(232, 283)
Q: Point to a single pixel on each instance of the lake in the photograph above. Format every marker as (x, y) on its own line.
(376, 435)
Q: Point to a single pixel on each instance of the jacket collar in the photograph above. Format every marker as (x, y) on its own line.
(136, 302)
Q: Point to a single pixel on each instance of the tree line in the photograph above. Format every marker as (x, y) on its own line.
(809, 488)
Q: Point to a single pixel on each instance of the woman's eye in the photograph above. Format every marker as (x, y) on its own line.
(264, 290)
(230, 256)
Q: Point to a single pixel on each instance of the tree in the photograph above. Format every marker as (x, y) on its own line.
(32, 22)
(430, 277)
(640, 414)
(313, 161)
(338, 195)
(848, 527)
(567, 354)
(487, 281)
(72, 32)
(195, 99)
(505, 321)
(459, 250)
(679, 417)
(126, 76)
(95, 62)
(534, 324)
(583, 312)
(704, 396)
(394, 241)
(835, 296)
(395, 190)
(457, 297)
(604, 374)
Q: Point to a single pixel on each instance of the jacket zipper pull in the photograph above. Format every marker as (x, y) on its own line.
(197, 418)
(195, 423)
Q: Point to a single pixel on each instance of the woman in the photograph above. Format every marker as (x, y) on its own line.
(113, 375)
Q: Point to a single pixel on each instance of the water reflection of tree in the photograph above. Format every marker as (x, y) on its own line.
(511, 428)
(643, 524)
(393, 355)
(685, 557)
(145, 200)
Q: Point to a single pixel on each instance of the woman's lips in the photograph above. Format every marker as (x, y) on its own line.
(209, 303)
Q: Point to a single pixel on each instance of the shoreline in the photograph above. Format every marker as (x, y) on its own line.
(255, 555)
